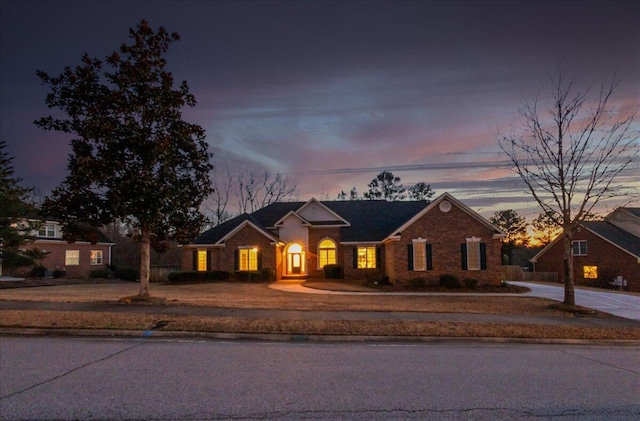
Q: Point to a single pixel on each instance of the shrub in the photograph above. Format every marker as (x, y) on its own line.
(210, 276)
(376, 277)
(98, 273)
(128, 274)
(59, 273)
(333, 271)
(470, 283)
(38, 271)
(417, 283)
(450, 281)
(267, 274)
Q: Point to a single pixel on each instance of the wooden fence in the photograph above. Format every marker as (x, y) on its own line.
(515, 273)
(161, 273)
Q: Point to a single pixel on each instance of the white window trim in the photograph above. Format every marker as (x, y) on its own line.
(67, 257)
(249, 250)
(335, 248)
(366, 247)
(97, 262)
(586, 248)
(46, 234)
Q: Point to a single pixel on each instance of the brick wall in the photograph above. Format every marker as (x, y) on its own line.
(55, 258)
(610, 260)
(446, 231)
(315, 236)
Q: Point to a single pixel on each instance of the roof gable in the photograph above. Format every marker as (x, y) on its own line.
(319, 214)
(497, 232)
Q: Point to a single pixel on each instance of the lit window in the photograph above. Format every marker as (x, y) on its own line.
(48, 230)
(96, 257)
(202, 260)
(473, 253)
(248, 259)
(590, 272)
(419, 254)
(72, 258)
(579, 247)
(326, 253)
(366, 257)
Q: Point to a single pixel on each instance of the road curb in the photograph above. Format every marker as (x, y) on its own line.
(298, 338)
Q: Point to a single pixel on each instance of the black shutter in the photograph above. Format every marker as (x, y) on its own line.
(208, 260)
(410, 256)
(236, 260)
(429, 257)
(355, 257)
(259, 259)
(483, 256)
(378, 257)
(195, 260)
(463, 253)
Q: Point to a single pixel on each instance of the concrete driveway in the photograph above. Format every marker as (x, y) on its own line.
(622, 305)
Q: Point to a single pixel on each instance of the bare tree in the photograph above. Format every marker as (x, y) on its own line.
(216, 204)
(255, 191)
(570, 154)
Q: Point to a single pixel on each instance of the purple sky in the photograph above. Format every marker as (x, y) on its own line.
(331, 93)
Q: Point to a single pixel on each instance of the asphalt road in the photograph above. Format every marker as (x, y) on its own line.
(622, 305)
(109, 379)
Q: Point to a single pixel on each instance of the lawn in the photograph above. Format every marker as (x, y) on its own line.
(260, 296)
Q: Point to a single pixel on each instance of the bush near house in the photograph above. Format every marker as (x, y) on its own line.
(450, 281)
(333, 272)
(470, 283)
(187, 277)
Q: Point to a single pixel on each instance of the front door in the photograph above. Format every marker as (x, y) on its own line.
(296, 263)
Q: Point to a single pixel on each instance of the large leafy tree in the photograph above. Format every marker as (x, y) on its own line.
(515, 227)
(16, 216)
(569, 152)
(133, 157)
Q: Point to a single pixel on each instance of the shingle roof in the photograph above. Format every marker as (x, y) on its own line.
(371, 220)
(623, 239)
(633, 211)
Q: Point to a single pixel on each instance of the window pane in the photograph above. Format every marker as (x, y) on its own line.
(326, 253)
(248, 259)
(96, 257)
(366, 257)
(202, 260)
(590, 272)
(419, 256)
(72, 258)
(473, 255)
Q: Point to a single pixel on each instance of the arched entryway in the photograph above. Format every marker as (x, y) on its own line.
(295, 261)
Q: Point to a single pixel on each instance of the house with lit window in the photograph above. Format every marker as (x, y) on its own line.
(604, 253)
(400, 240)
(77, 259)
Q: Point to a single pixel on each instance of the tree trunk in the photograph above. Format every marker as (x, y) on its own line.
(569, 295)
(145, 261)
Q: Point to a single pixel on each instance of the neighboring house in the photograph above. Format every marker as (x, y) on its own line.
(401, 240)
(602, 251)
(76, 259)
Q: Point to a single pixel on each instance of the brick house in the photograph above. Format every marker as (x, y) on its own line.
(602, 251)
(401, 240)
(76, 259)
